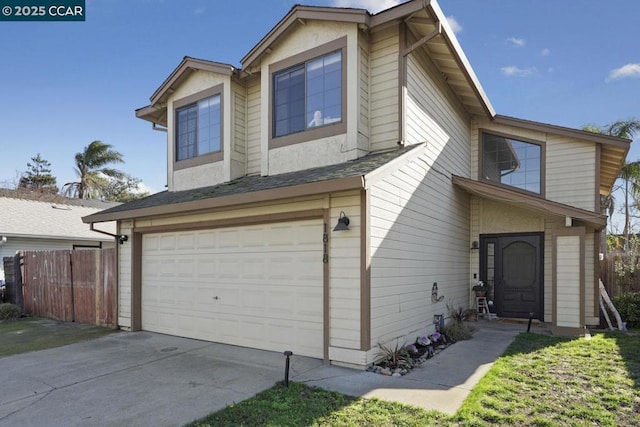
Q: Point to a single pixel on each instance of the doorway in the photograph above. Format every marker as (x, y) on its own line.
(512, 266)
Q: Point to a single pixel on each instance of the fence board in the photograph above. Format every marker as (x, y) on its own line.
(71, 286)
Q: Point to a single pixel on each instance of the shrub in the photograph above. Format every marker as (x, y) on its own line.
(394, 357)
(9, 311)
(457, 331)
(628, 305)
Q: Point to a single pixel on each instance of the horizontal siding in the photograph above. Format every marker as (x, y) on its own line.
(253, 126)
(570, 164)
(239, 120)
(419, 235)
(363, 108)
(383, 113)
(571, 172)
(124, 279)
(344, 279)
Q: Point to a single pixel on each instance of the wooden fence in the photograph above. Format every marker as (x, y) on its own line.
(71, 286)
(613, 283)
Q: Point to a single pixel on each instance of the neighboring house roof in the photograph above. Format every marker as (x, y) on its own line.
(59, 219)
(532, 202)
(255, 188)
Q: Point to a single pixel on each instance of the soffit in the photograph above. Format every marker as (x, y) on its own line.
(446, 54)
(530, 202)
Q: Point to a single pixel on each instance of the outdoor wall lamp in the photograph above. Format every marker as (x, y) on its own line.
(122, 238)
(475, 245)
(343, 222)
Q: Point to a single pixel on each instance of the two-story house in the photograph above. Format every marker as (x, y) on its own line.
(348, 181)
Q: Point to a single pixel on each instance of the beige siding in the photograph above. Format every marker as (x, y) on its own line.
(238, 122)
(363, 116)
(253, 126)
(571, 172)
(570, 164)
(124, 279)
(344, 279)
(204, 175)
(383, 112)
(592, 317)
(419, 235)
(568, 282)
(548, 268)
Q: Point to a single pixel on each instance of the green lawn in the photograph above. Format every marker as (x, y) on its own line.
(539, 381)
(34, 333)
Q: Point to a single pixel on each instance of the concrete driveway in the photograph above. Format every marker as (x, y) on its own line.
(138, 378)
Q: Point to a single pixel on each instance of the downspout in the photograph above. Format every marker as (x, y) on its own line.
(405, 51)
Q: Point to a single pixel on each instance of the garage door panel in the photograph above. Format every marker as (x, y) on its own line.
(258, 286)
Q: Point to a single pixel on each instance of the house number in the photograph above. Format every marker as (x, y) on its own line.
(325, 246)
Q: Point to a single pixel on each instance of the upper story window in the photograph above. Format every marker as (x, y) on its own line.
(198, 128)
(512, 162)
(308, 95)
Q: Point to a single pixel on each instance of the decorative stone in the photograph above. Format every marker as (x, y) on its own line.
(396, 374)
(385, 371)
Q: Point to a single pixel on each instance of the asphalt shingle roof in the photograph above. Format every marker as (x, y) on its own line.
(47, 219)
(253, 183)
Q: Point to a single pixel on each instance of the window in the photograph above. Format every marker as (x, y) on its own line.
(308, 95)
(198, 128)
(512, 162)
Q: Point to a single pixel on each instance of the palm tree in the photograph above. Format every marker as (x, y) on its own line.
(629, 174)
(91, 168)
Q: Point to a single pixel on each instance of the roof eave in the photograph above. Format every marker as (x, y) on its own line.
(321, 187)
(298, 12)
(530, 202)
(187, 66)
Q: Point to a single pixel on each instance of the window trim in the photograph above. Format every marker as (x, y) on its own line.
(203, 159)
(543, 162)
(322, 131)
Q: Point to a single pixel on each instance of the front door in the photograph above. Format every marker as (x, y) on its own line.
(512, 265)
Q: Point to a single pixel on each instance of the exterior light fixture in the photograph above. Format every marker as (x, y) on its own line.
(475, 245)
(343, 222)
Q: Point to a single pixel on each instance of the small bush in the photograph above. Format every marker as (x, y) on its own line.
(457, 331)
(9, 311)
(394, 357)
(628, 305)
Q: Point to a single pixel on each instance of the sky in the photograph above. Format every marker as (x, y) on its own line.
(66, 84)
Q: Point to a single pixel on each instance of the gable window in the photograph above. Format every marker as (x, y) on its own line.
(512, 162)
(308, 95)
(198, 125)
(198, 128)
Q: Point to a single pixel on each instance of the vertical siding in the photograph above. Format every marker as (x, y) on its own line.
(344, 280)
(571, 172)
(124, 278)
(383, 112)
(253, 126)
(419, 235)
(568, 281)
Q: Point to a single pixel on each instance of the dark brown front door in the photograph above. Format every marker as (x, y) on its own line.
(512, 265)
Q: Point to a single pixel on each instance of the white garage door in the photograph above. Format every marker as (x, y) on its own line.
(257, 286)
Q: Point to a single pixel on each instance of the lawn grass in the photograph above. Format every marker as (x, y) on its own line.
(541, 380)
(34, 333)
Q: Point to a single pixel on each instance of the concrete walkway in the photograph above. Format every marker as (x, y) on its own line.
(442, 383)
